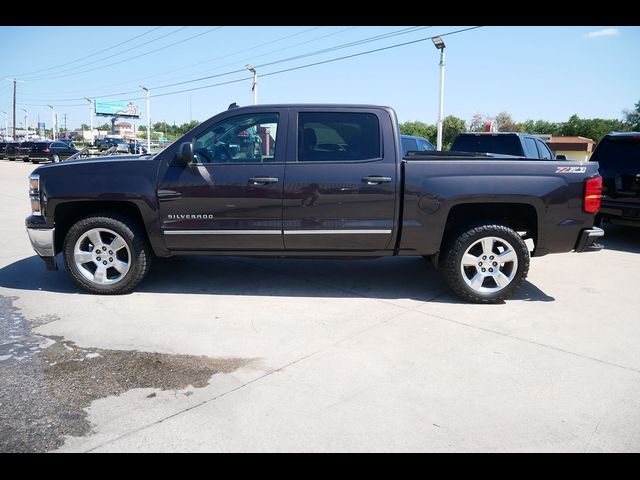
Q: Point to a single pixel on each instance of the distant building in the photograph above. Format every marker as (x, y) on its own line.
(123, 128)
(574, 148)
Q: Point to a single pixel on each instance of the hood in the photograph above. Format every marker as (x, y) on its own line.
(115, 159)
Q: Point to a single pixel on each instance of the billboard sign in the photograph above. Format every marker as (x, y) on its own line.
(112, 108)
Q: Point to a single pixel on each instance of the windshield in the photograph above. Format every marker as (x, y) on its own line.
(504, 144)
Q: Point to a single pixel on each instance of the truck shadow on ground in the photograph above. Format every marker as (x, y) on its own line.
(621, 238)
(386, 278)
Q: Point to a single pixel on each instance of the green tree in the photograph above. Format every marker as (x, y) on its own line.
(539, 127)
(419, 129)
(632, 118)
(451, 128)
(593, 128)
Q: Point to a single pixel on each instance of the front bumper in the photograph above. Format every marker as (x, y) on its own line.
(587, 239)
(43, 242)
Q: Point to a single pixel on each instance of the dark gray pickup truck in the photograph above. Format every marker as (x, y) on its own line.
(311, 181)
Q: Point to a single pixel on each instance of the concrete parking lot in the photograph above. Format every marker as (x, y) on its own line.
(236, 354)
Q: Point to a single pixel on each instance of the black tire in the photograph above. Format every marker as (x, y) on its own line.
(136, 241)
(35, 162)
(25, 159)
(457, 277)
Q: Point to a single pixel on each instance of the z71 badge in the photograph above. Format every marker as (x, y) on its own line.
(571, 170)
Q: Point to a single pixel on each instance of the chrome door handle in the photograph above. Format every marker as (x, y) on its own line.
(375, 180)
(262, 180)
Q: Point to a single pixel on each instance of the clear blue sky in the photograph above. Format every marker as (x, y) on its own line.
(532, 72)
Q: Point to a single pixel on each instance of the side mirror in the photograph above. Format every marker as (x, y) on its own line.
(185, 153)
(561, 157)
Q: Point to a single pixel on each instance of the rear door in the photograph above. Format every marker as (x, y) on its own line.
(340, 180)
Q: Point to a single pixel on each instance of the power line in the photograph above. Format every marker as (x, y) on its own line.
(91, 55)
(384, 36)
(300, 67)
(244, 79)
(134, 57)
(101, 59)
(297, 57)
(214, 58)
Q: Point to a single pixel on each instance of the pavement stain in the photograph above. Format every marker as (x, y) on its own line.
(47, 382)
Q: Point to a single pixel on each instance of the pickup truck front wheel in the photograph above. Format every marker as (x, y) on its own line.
(486, 264)
(106, 254)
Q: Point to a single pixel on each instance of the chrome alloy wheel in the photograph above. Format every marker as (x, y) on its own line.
(489, 265)
(102, 256)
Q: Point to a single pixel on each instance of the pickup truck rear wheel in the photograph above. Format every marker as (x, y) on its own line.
(486, 264)
(107, 254)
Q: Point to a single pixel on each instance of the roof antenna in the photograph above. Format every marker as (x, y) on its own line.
(233, 105)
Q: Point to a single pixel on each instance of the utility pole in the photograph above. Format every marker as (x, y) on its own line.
(6, 126)
(90, 116)
(254, 88)
(53, 122)
(14, 109)
(26, 123)
(439, 44)
(148, 119)
(65, 122)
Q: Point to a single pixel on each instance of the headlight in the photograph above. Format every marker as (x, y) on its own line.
(34, 194)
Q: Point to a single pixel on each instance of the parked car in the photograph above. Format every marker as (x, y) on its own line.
(24, 150)
(618, 157)
(108, 142)
(3, 147)
(12, 150)
(505, 143)
(137, 148)
(67, 141)
(411, 143)
(51, 151)
(316, 180)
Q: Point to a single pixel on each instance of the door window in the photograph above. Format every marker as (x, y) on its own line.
(530, 148)
(338, 137)
(247, 138)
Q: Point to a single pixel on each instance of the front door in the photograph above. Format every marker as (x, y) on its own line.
(230, 197)
(340, 181)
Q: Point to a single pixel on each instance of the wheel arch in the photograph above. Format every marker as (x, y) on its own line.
(68, 213)
(520, 217)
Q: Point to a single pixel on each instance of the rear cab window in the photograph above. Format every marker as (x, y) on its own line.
(619, 154)
(501, 144)
(338, 137)
(408, 145)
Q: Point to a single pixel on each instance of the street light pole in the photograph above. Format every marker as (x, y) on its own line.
(53, 122)
(90, 117)
(254, 87)
(6, 126)
(439, 44)
(26, 123)
(148, 119)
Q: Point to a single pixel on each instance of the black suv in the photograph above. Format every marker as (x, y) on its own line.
(12, 150)
(618, 155)
(108, 142)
